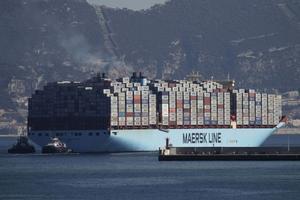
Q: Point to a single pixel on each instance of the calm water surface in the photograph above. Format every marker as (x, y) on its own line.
(141, 176)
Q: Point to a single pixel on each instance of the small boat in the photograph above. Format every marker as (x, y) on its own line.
(22, 146)
(56, 146)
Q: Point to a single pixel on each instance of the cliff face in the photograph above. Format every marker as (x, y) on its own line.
(255, 42)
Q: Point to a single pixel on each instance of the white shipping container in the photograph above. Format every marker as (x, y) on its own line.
(227, 122)
(137, 119)
(258, 97)
(206, 94)
(129, 85)
(264, 120)
(239, 122)
(186, 95)
(114, 123)
(136, 84)
(129, 123)
(145, 118)
(179, 110)
(122, 119)
(220, 122)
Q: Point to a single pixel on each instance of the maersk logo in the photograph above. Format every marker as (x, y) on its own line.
(202, 138)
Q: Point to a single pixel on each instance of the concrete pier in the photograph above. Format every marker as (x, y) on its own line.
(230, 154)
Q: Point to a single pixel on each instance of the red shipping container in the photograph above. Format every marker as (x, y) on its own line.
(172, 110)
(220, 106)
(207, 110)
(193, 97)
(129, 114)
(172, 123)
(171, 85)
(206, 100)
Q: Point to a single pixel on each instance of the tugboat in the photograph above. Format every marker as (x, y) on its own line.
(56, 146)
(22, 146)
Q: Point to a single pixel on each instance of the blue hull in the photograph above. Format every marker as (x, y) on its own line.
(153, 139)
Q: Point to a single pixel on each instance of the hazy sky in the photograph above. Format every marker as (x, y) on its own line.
(131, 4)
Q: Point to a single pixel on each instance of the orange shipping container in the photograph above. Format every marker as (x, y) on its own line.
(137, 101)
(179, 105)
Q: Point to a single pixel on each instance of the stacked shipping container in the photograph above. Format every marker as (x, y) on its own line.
(185, 103)
(254, 108)
(142, 103)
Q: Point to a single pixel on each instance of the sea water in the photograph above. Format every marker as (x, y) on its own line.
(140, 176)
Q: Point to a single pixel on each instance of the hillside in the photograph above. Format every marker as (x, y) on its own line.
(43, 41)
(256, 42)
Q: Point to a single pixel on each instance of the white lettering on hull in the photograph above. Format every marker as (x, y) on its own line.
(193, 138)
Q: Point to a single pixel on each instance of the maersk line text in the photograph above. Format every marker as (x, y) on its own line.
(201, 138)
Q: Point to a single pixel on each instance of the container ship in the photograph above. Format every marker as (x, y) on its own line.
(138, 114)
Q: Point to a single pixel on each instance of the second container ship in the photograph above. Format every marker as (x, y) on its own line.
(137, 114)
